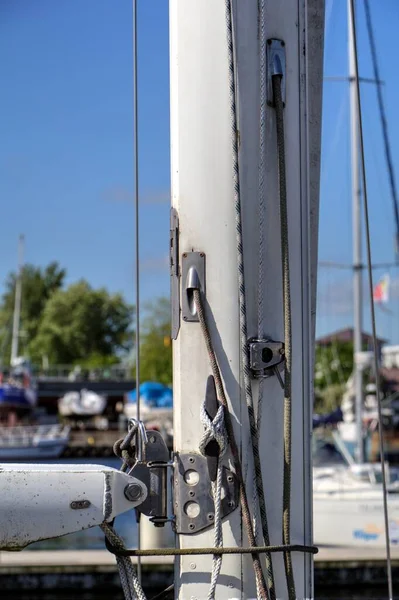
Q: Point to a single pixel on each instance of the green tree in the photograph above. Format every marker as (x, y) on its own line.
(38, 285)
(83, 324)
(155, 343)
(333, 364)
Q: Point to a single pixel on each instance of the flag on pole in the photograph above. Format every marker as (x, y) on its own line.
(381, 290)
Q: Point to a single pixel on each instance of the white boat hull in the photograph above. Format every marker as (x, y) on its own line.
(41, 451)
(81, 404)
(354, 522)
(348, 506)
(33, 442)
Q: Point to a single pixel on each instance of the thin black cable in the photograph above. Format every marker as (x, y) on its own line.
(371, 287)
(137, 231)
(285, 260)
(384, 125)
(165, 594)
(284, 548)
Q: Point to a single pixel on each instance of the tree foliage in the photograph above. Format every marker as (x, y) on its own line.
(333, 364)
(76, 324)
(155, 343)
(82, 323)
(38, 285)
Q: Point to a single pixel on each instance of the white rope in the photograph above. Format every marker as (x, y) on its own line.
(131, 586)
(215, 430)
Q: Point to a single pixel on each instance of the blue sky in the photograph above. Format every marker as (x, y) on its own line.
(66, 145)
(335, 233)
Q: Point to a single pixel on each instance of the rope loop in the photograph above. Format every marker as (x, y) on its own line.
(125, 448)
(213, 430)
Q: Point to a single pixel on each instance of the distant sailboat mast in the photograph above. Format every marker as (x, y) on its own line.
(357, 242)
(17, 302)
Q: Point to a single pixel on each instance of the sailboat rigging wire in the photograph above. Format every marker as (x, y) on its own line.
(258, 489)
(129, 579)
(334, 265)
(215, 430)
(278, 102)
(384, 125)
(241, 276)
(206, 551)
(17, 300)
(373, 320)
(137, 232)
(246, 515)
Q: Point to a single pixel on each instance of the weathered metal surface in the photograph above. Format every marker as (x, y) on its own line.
(190, 491)
(45, 501)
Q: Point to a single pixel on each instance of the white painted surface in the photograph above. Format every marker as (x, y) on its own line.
(35, 500)
(348, 506)
(202, 193)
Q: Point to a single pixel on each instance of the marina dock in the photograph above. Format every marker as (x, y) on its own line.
(95, 570)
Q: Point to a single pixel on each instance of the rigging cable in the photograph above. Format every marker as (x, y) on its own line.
(215, 430)
(384, 125)
(241, 282)
(285, 258)
(129, 579)
(373, 320)
(137, 238)
(258, 490)
(246, 515)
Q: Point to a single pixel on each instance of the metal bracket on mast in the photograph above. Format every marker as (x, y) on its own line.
(193, 501)
(275, 65)
(265, 357)
(193, 275)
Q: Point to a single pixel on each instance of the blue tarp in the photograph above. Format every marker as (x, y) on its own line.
(153, 394)
(330, 419)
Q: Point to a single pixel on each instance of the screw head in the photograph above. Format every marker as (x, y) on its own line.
(193, 566)
(153, 439)
(80, 504)
(191, 526)
(133, 492)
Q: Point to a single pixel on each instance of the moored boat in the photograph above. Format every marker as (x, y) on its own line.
(33, 442)
(84, 403)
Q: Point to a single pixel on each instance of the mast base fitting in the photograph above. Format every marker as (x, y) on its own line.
(266, 357)
(193, 503)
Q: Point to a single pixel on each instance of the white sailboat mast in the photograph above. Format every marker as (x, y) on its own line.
(204, 222)
(17, 301)
(357, 242)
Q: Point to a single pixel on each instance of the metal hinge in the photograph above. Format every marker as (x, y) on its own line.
(193, 504)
